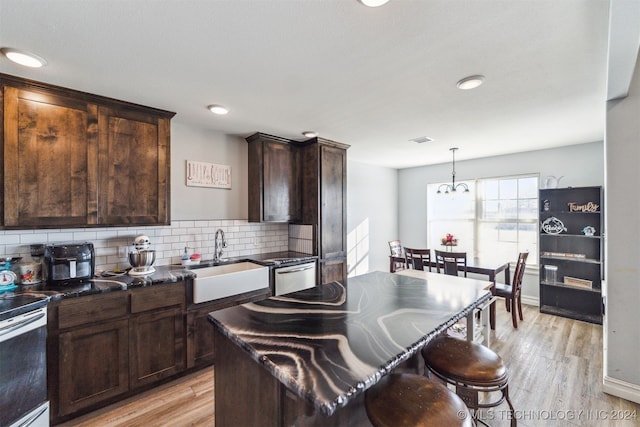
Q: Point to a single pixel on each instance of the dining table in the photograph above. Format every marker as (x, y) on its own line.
(482, 266)
(307, 358)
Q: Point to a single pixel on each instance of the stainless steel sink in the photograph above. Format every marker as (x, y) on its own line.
(226, 280)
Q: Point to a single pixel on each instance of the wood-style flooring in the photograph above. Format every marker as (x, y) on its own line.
(556, 380)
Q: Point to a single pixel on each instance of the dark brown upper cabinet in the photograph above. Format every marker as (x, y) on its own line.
(50, 154)
(273, 176)
(72, 159)
(304, 183)
(133, 167)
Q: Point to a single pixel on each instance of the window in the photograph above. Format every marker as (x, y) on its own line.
(494, 221)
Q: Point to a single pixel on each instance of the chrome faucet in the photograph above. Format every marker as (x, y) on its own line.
(217, 250)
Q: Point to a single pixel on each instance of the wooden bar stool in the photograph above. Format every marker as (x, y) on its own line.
(414, 400)
(470, 367)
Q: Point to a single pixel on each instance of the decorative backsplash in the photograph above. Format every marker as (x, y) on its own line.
(243, 238)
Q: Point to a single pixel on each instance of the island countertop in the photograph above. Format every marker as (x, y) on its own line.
(330, 343)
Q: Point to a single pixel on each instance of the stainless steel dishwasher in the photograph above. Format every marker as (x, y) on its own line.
(294, 278)
(23, 361)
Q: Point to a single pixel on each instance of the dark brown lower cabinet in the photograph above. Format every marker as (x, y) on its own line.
(102, 348)
(199, 338)
(93, 365)
(106, 347)
(333, 270)
(157, 346)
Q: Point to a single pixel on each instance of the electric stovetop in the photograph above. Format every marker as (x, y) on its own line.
(15, 305)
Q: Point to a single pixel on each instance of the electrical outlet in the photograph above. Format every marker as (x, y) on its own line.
(123, 251)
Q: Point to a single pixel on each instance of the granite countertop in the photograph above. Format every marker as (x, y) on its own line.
(163, 275)
(98, 285)
(330, 343)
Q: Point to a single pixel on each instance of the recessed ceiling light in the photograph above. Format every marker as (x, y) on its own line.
(373, 3)
(23, 58)
(310, 134)
(218, 109)
(470, 82)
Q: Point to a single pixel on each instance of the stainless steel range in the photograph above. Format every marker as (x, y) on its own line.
(23, 363)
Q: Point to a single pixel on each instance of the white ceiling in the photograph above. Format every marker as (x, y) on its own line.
(373, 78)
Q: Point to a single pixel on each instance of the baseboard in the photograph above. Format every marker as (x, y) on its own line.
(621, 389)
(527, 300)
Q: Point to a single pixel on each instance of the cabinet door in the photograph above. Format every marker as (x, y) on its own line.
(133, 171)
(92, 365)
(50, 158)
(333, 270)
(199, 338)
(333, 206)
(273, 179)
(157, 346)
(280, 192)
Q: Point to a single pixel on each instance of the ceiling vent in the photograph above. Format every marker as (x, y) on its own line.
(421, 139)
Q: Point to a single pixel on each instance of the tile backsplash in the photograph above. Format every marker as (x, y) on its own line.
(111, 243)
(301, 238)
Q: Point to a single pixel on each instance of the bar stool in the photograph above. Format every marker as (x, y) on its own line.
(470, 367)
(414, 400)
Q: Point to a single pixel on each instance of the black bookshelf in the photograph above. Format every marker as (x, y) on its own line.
(571, 242)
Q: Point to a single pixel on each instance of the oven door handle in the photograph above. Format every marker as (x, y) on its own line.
(29, 421)
(296, 270)
(21, 324)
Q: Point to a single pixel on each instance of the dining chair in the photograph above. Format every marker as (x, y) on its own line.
(451, 262)
(512, 293)
(418, 258)
(397, 263)
(396, 248)
(397, 259)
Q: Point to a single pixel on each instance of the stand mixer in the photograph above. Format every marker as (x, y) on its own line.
(141, 257)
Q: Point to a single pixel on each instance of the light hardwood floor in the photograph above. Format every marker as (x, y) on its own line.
(556, 380)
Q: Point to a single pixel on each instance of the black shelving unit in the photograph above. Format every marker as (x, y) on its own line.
(571, 241)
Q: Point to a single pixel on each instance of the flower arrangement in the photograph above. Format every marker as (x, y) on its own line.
(449, 240)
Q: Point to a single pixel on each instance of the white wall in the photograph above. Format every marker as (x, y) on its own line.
(622, 204)
(580, 165)
(197, 203)
(372, 216)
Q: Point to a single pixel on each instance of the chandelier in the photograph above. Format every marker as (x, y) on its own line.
(453, 186)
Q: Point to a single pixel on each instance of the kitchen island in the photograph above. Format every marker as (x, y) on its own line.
(306, 358)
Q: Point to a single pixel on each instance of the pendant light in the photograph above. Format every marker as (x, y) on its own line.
(453, 187)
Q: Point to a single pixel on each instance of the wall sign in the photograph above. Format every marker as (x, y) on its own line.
(201, 174)
(553, 225)
(587, 207)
